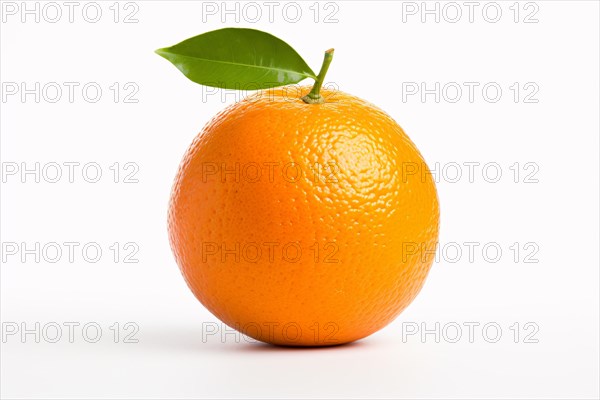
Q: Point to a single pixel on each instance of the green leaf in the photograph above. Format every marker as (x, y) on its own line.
(238, 58)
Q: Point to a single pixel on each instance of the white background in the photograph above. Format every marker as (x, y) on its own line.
(378, 57)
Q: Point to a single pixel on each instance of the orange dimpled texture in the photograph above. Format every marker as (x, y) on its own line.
(304, 224)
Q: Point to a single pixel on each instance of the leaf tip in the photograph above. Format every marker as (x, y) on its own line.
(161, 52)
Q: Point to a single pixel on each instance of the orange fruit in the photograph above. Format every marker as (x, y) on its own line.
(304, 224)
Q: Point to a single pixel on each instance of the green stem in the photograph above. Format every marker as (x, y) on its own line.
(314, 97)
